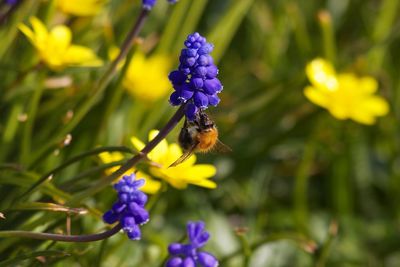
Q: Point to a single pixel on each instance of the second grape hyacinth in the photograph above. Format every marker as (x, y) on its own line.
(129, 209)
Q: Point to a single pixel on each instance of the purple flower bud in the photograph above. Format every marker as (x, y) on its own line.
(134, 232)
(175, 248)
(203, 60)
(123, 197)
(212, 71)
(185, 93)
(127, 222)
(140, 214)
(200, 71)
(207, 260)
(191, 111)
(174, 262)
(213, 100)
(175, 99)
(205, 49)
(212, 86)
(148, 4)
(139, 197)
(196, 83)
(110, 217)
(118, 207)
(177, 77)
(200, 100)
(188, 262)
(189, 52)
(190, 61)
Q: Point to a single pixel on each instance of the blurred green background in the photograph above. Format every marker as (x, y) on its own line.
(300, 187)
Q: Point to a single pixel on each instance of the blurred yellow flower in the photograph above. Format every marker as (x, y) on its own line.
(179, 176)
(344, 95)
(151, 186)
(81, 8)
(55, 48)
(147, 78)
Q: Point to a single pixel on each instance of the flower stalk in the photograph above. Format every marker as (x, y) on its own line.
(62, 238)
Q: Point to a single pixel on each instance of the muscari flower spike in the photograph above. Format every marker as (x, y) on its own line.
(129, 209)
(195, 81)
(148, 4)
(187, 255)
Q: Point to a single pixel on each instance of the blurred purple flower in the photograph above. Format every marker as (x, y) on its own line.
(148, 4)
(187, 255)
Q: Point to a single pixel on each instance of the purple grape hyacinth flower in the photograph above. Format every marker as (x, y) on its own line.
(195, 81)
(129, 209)
(187, 255)
(148, 4)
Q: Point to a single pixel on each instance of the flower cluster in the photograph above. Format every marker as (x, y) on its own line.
(129, 209)
(344, 95)
(195, 82)
(148, 4)
(187, 255)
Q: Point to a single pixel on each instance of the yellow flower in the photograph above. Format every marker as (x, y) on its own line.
(147, 78)
(151, 186)
(344, 95)
(81, 8)
(180, 176)
(55, 48)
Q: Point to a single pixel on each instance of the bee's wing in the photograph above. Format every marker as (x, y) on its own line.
(221, 147)
(184, 157)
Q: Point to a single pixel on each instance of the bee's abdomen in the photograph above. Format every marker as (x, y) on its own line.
(207, 140)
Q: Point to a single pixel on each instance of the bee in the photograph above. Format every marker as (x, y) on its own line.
(199, 135)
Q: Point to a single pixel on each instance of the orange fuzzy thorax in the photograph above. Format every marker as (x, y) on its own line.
(207, 140)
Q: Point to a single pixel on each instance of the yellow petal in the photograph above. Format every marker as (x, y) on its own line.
(61, 36)
(205, 183)
(83, 56)
(40, 30)
(316, 96)
(339, 111)
(368, 84)
(370, 108)
(376, 105)
(198, 172)
(139, 145)
(160, 151)
(27, 32)
(322, 74)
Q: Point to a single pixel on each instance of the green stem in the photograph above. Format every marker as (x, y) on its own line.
(300, 187)
(62, 238)
(328, 35)
(326, 248)
(29, 124)
(73, 160)
(98, 89)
